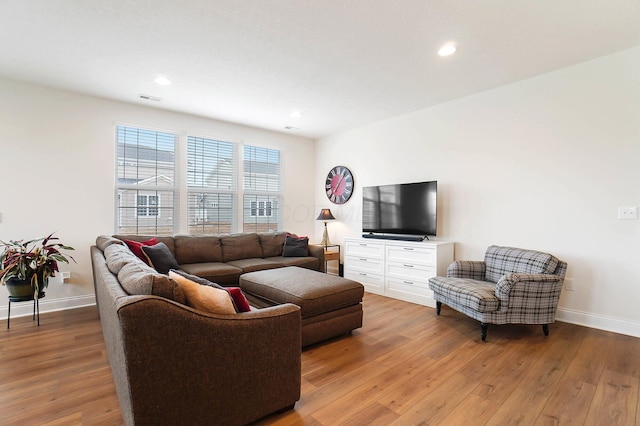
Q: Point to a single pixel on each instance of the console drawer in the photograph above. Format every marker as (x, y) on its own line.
(410, 271)
(369, 250)
(414, 255)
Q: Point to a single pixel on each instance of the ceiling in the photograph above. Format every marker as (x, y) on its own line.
(342, 64)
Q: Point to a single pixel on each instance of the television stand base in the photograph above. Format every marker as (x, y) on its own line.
(396, 237)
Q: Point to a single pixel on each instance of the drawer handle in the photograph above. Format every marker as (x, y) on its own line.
(362, 273)
(363, 245)
(408, 282)
(364, 259)
(408, 266)
(408, 248)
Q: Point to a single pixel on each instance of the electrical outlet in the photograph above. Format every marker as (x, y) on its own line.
(627, 213)
(569, 284)
(65, 276)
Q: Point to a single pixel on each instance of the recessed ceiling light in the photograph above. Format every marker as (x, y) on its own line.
(163, 81)
(447, 49)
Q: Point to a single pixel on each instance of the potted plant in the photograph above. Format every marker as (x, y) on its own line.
(27, 266)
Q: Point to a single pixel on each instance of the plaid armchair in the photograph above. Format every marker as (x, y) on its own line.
(511, 286)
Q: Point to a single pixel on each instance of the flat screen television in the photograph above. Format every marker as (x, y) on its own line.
(400, 211)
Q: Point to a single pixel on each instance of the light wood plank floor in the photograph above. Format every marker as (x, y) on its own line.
(406, 366)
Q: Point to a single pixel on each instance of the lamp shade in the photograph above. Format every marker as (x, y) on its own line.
(325, 214)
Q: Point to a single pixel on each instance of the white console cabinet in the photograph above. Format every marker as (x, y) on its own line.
(398, 269)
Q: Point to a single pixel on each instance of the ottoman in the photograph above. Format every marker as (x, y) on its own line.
(329, 305)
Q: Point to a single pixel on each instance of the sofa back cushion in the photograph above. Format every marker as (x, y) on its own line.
(272, 243)
(138, 278)
(197, 249)
(500, 261)
(104, 241)
(140, 238)
(240, 246)
(116, 256)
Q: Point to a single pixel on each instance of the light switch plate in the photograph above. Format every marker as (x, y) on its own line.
(627, 213)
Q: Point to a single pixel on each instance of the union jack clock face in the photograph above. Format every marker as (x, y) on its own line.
(339, 185)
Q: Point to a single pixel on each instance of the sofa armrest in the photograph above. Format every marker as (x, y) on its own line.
(203, 368)
(317, 251)
(472, 269)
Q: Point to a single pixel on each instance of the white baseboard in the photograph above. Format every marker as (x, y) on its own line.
(615, 325)
(21, 309)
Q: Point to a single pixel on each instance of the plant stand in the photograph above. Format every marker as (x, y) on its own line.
(36, 306)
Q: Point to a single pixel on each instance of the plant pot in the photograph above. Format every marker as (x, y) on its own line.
(20, 288)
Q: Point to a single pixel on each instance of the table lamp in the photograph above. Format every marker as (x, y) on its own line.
(325, 215)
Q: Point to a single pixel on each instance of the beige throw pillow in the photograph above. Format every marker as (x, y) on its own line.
(204, 298)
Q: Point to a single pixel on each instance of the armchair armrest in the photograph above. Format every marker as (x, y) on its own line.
(472, 269)
(529, 291)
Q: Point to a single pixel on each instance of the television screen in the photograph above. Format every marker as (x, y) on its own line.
(405, 209)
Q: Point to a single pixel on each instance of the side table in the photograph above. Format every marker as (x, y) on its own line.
(36, 305)
(332, 253)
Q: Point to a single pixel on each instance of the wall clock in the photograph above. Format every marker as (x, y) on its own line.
(339, 185)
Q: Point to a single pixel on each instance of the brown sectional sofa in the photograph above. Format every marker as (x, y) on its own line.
(222, 259)
(173, 364)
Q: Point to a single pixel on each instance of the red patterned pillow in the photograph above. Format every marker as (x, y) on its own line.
(136, 247)
(239, 300)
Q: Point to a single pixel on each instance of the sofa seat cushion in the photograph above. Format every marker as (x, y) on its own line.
(500, 261)
(308, 262)
(475, 294)
(255, 264)
(217, 272)
(315, 292)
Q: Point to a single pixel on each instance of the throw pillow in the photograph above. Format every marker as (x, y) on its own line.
(160, 257)
(203, 297)
(136, 247)
(239, 299)
(295, 246)
(240, 302)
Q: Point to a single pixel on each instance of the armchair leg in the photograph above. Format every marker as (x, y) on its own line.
(483, 330)
(545, 329)
(438, 307)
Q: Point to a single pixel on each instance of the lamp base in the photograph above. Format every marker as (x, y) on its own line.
(325, 237)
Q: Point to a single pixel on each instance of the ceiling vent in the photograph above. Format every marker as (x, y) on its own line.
(150, 98)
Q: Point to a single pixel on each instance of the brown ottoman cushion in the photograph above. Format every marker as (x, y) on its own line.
(315, 292)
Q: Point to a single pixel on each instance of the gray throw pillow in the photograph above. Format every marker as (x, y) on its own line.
(160, 257)
(295, 246)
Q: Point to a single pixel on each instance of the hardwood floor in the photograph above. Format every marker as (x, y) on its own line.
(406, 366)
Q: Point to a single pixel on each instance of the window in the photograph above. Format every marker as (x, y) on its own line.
(152, 192)
(211, 186)
(145, 181)
(262, 189)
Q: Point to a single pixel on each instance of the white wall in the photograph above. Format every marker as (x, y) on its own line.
(57, 158)
(541, 164)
